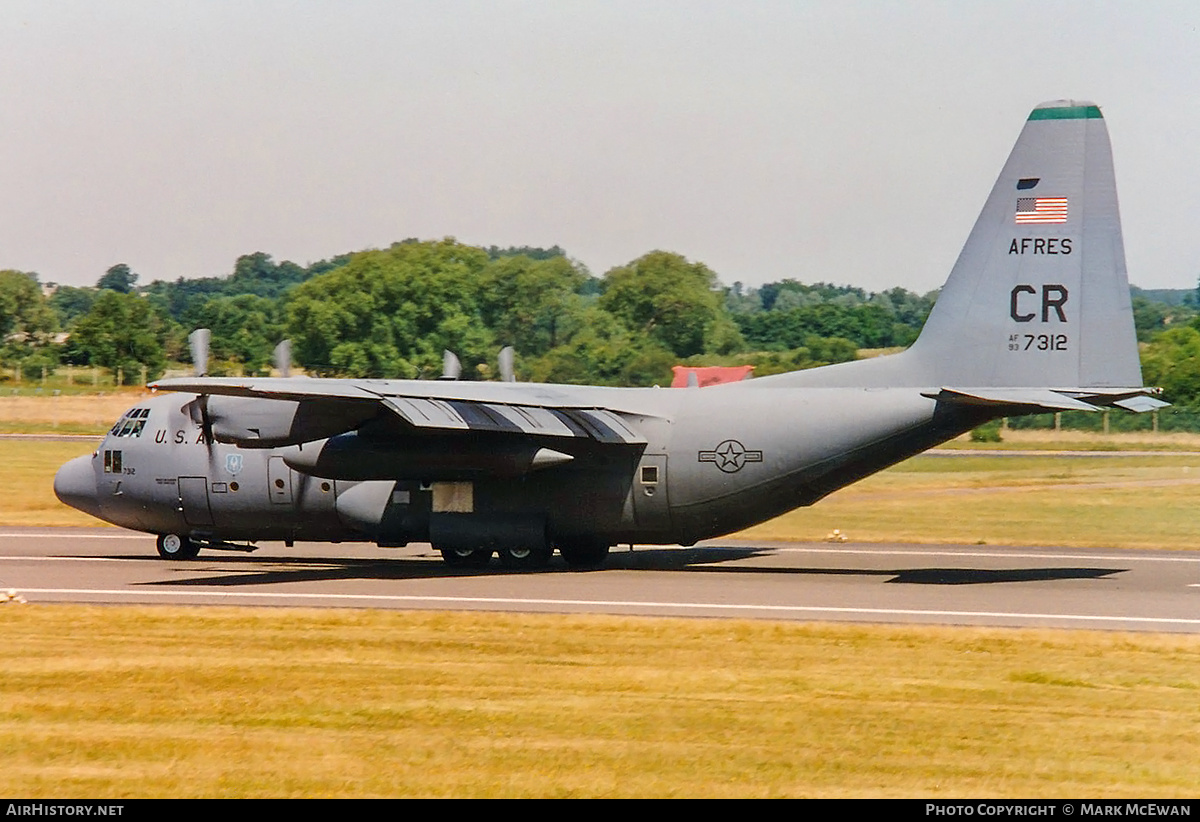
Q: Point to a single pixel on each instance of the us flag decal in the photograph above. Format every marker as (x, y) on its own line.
(1041, 209)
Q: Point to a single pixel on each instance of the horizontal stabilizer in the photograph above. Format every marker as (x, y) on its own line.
(1141, 404)
(1053, 399)
(1042, 398)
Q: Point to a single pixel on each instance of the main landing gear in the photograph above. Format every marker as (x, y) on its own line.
(466, 557)
(174, 546)
(584, 552)
(580, 553)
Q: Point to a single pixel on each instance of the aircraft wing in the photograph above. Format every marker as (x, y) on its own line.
(428, 407)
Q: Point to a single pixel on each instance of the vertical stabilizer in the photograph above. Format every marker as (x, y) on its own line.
(1039, 295)
(1038, 298)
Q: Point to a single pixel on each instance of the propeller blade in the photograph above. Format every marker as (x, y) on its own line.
(283, 358)
(506, 364)
(451, 367)
(198, 340)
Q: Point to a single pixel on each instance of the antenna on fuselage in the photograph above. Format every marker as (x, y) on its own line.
(198, 341)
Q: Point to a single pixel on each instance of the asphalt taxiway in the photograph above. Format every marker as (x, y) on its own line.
(884, 583)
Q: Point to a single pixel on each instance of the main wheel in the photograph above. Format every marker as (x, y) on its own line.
(526, 557)
(174, 546)
(584, 552)
(466, 557)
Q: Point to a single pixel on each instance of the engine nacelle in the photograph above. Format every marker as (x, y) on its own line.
(353, 457)
(252, 422)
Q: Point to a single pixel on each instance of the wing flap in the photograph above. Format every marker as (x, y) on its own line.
(604, 426)
(425, 413)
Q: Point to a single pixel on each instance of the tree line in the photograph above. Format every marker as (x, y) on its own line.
(389, 313)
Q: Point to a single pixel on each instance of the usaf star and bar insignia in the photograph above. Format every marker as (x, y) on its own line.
(730, 456)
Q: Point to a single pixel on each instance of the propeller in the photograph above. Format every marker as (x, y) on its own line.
(198, 408)
(506, 364)
(451, 367)
(198, 340)
(283, 358)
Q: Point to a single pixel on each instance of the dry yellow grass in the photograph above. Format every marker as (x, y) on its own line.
(126, 702)
(1094, 441)
(84, 413)
(135, 701)
(29, 498)
(1090, 501)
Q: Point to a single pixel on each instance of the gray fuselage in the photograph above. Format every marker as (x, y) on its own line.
(715, 460)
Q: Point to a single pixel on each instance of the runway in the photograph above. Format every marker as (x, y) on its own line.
(913, 584)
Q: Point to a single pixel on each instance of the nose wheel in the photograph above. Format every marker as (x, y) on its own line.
(173, 546)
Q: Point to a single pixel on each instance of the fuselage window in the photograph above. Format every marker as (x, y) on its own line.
(112, 462)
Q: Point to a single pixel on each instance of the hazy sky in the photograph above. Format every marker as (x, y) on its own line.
(851, 142)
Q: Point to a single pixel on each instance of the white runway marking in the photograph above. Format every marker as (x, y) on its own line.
(566, 603)
(71, 559)
(982, 554)
(5, 535)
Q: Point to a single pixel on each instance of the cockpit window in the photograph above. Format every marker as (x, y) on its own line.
(131, 424)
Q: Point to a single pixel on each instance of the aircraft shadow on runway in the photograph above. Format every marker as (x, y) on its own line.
(237, 571)
(242, 570)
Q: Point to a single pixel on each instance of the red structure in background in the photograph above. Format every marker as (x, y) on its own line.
(710, 374)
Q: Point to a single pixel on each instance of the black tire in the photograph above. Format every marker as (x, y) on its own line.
(174, 546)
(526, 557)
(584, 552)
(466, 558)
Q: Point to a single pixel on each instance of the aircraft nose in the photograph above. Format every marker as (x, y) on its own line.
(75, 485)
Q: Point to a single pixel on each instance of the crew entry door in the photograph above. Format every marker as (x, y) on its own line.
(193, 500)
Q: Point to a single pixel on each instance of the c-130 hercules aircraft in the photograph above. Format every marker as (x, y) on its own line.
(1034, 318)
